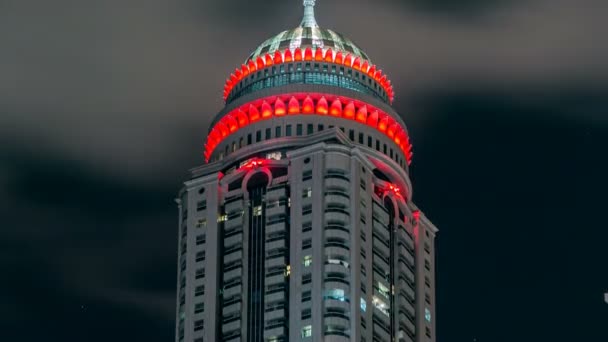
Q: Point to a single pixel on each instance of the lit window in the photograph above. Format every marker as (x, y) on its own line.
(307, 331)
(307, 260)
(287, 270)
(201, 223)
(337, 294)
(222, 218)
(274, 156)
(257, 211)
(380, 305)
(383, 290)
(307, 193)
(363, 304)
(338, 262)
(427, 314)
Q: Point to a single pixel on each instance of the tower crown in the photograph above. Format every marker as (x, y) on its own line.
(308, 70)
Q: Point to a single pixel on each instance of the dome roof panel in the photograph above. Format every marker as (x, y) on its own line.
(302, 37)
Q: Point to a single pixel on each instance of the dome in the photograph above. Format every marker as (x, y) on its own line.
(302, 37)
(308, 34)
(307, 71)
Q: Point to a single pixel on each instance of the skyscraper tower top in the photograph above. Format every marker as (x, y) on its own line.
(304, 60)
(301, 225)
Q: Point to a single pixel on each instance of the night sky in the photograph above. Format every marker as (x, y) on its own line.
(104, 106)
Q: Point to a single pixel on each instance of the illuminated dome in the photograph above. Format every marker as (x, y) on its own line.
(308, 71)
(308, 43)
(302, 37)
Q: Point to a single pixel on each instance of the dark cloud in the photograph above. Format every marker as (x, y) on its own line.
(518, 196)
(104, 107)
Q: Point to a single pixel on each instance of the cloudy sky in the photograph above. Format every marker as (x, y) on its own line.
(104, 107)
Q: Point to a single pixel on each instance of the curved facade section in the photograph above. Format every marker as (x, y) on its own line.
(301, 225)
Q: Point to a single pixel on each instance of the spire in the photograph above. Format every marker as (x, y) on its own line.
(309, 14)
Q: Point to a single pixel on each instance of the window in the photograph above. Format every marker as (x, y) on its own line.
(383, 290)
(257, 211)
(200, 256)
(201, 205)
(199, 307)
(320, 128)
(199, 290)
(268, 133)
(274, 156)
(249, 139)
(307, 193)
(201, 223)
(363, 304)
(222, 218)
(288, 130)
(306, 278)
(351, 135)
(200, 273)
(306, 210)
(306, 314)
(198, 325)
(360, 138)
(307, 260)
(307, 331)
(306, 227)
(258, 136)
(299, 129)
(336, 294)
(380, 305)
(307, 175)
(337, 260)
(369, 142)
(201, 239)
(309, 129)
(277, 132)
(306, 296)
(427, 315)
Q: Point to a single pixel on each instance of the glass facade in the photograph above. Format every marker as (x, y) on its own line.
(253, 84)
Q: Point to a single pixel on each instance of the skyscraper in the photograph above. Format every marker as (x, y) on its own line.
(301, 225)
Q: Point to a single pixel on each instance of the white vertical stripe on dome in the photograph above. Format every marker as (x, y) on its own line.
(317, 38)
(274, 45)
(296, 39)
(337, 41)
